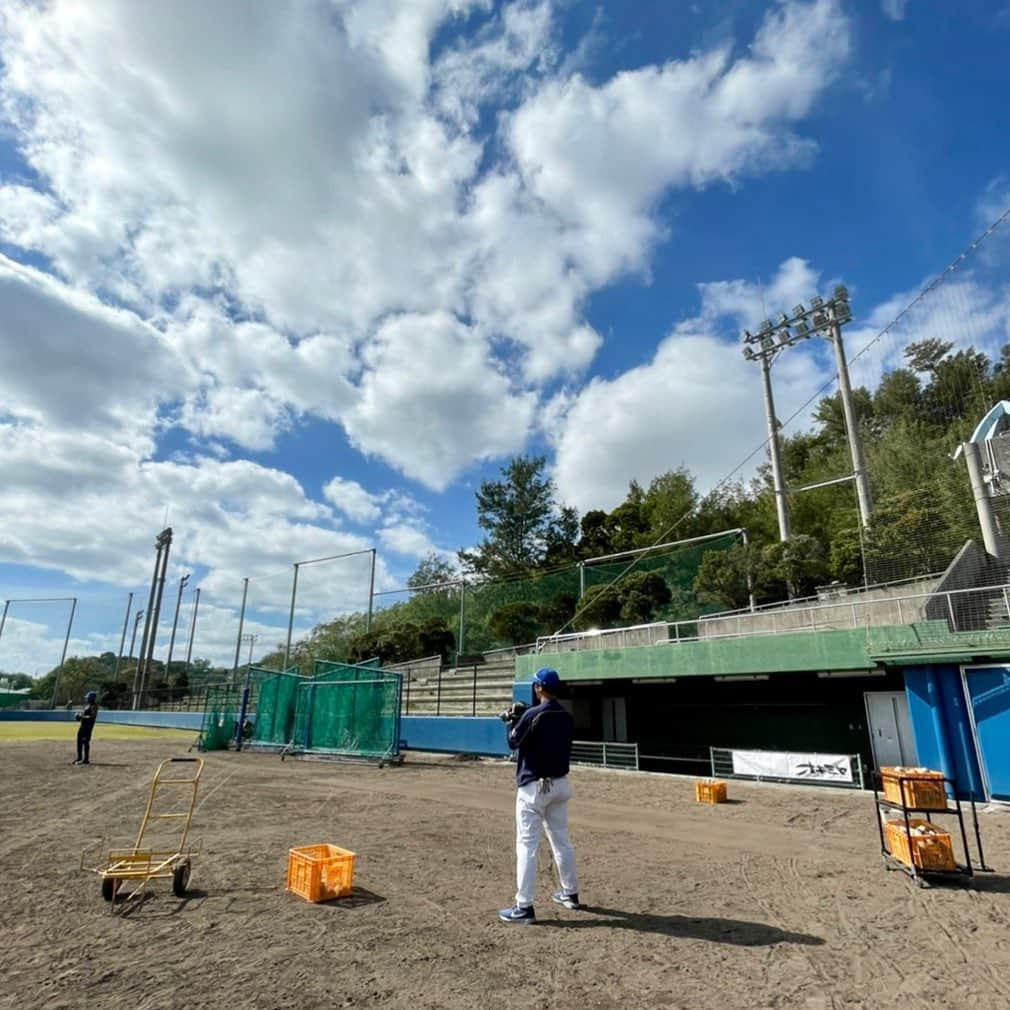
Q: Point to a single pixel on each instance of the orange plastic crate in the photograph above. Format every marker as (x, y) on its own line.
(710, 791)
(320, 872)
(932, 851)
(922, 788)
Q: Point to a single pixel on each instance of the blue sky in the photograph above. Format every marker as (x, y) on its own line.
(299, 276)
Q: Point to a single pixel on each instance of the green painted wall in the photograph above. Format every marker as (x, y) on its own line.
(792, 653)
(798, 652)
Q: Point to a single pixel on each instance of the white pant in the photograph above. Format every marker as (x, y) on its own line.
(535, 807)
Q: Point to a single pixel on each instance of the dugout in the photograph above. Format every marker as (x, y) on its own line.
(676, 721)
(903, 694)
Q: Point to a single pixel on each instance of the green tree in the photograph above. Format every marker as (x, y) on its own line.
(669, 501)
(642, 595)
(559, 611)
(926, 355)
(725, 578)
(793, 568)
(521, 518)
(432, 570)
(517, 623)
(600, 607)
(435, 639)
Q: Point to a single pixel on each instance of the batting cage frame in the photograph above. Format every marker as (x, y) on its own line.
(343, 710)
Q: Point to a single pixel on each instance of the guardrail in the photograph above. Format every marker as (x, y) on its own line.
(978, 608)
(600, 754)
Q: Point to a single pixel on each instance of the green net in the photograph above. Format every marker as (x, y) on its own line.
(327, 670)
(341, 708)
(271, 706)
(353, 712)
(220, 718)
(499, 615)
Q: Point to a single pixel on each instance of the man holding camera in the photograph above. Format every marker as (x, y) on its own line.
(543, 737)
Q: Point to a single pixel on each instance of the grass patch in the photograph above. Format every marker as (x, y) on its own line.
(17, 730)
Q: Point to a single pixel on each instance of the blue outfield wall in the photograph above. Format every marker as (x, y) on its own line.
(446, 734)
(156, 720)
(30, 715)
(942, 726)
(450, 734)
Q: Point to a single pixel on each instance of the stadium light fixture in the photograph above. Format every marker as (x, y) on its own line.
(824, 317)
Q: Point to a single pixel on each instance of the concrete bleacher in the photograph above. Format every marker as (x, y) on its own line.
(473, 689)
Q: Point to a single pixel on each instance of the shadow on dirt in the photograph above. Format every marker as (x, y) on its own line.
(732, 931)
(990, 884)
(358, 898)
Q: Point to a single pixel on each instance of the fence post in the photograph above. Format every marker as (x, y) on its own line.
(407, 675)
(604, 754)
(950, 610)
(474, 706)
(438, 692)
(1006, 602)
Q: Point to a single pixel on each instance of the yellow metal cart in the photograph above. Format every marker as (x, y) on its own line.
(168, 856)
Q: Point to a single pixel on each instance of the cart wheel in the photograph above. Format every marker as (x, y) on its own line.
(108, 888)
(180, 878)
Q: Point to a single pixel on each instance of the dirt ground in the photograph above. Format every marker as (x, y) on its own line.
(776, 900)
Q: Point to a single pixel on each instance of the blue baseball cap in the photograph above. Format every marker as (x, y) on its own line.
(91, 696)
(546, 677)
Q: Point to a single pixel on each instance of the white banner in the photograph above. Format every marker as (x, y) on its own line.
(809, 767)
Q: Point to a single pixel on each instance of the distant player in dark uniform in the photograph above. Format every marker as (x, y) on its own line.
(86, 718)
(543, 737)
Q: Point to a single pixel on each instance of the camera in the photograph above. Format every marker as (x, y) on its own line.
(513, 713)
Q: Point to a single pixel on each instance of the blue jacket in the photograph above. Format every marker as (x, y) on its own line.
(543, 737)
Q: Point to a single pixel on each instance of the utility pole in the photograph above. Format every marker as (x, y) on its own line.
(241, 623)
(122, 638)
(775, 448)
(838, 312)
(192, 631)
(137, 617)
(251, 639)
(175, 623)
(163, 544)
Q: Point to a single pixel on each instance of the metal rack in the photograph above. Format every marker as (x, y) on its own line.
(953, 808)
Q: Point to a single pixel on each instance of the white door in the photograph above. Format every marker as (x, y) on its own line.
(890, 728)
(615, 720)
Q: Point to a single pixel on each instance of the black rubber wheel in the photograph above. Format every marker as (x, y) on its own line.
(180, 878)
(108, 888)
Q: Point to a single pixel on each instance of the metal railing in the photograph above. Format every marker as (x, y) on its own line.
(723, 768)
(603, 754)
(468, 690)
(975, 609)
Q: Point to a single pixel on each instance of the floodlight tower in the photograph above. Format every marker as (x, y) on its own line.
(823, 318)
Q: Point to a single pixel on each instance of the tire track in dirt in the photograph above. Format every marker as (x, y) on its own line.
(757, 895)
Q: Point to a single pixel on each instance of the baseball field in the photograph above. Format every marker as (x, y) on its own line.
(778, 899)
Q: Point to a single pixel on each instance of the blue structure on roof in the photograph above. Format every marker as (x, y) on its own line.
(994, 423)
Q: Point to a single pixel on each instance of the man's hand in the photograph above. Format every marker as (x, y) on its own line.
(513, 713)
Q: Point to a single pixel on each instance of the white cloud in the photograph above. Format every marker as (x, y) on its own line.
(274, 191)
(349, 497)
(697, 403)
(994, 202)
(66, 360)
(894, 9)
(599, 157)
(748, 303)
(430, 396)
(408, 540)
